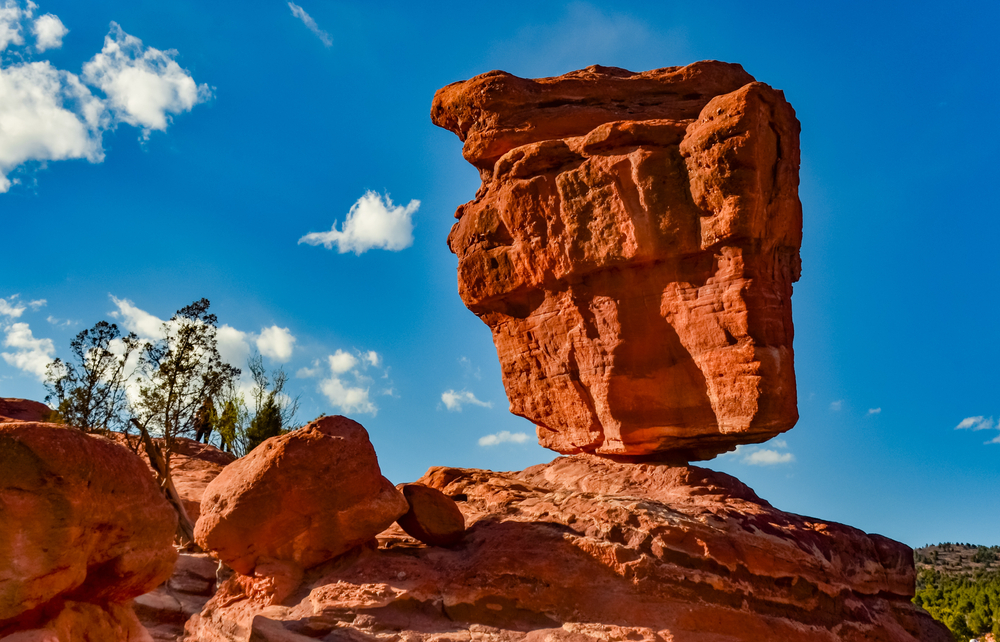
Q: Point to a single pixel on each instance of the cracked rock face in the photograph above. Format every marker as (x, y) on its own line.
(632, 248)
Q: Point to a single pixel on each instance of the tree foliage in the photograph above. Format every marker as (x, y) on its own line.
(968, 605)
(89, 390)
(243, 425)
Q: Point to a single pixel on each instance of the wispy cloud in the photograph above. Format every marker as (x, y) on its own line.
(308, 21)
(347, 386)
(454, 401)
(975, 423)
(373, 222)
(836, 406)
(874, 411)
(503, 437)
(767, 457)
(11, 307)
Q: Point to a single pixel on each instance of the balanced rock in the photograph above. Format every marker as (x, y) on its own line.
(433, 517)
(83, 530)
(589, 549)
(23, 410)
(632, 248)
(301, 498)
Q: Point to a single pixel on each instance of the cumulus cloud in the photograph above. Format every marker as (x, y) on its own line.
(46, 115)
(144, 85)
(11, 307)
(233, 345)
(49, 31)
(341, 362)
(874, 411)
(975, 423)
(503, 437)
(836, 406)
(372, 223)
(347, 388)
(767, 457)
(307, 20)
(310, 373)
(49, 114)
(29, 354)
(11, 15)
(276, 343)
(454, 400)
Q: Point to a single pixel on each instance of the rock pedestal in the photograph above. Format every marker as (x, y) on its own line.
(632, 248)
(587, 549)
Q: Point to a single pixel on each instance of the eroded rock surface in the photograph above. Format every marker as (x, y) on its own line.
(23, 410)
(589, 549)
(297, 500)
(83, 530)
(433, 517)
(632, 248)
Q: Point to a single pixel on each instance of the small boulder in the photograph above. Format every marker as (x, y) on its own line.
(433, 518)
(302, 498)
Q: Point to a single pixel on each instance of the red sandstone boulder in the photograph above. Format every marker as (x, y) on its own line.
(298, 499)
(588, 549)
(433, 517)
(633, 248)
(83, 530)
(23, 410)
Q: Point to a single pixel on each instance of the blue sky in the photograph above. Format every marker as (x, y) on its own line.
(140, 176)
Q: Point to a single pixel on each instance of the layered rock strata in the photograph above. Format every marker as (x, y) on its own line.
(83, 530)
(296, 501)
(589, 549)
(632, 248)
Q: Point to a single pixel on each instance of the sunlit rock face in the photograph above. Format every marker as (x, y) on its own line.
(632, 248)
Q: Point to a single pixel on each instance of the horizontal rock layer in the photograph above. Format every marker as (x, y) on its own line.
(589, 549)
(632, 248)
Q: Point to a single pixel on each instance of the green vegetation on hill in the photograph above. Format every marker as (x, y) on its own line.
(959, 585)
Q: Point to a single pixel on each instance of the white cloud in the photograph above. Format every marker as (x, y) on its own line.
(975, 423)
(766, 457)
(779, 443)
(837, 405)
(372, 222)
(49, 31)
(372, 357)
(11, 16)
(310, 373)
(31, 355)
(307, 20)
(46, 115)
(346, 397)
(453, 400)
(139, 321)
(874, 411)
(144, 85)
(276, 343)
(504, 436)
(233, 345)
(341, 362)
(11, 308)
(37, 303)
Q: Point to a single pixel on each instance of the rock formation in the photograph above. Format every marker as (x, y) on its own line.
(295, 501)
(83, 530)
(585, 549)
(23, 410)
(633, 248)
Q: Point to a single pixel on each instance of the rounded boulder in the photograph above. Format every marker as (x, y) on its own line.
(80, 519)
(433, 517)
(303, 497)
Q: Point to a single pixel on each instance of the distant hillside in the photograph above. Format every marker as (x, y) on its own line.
(959, 585)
